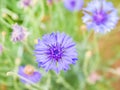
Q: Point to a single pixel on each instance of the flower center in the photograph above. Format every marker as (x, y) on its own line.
(29, 70)
(73, 3)
(55, 52)
(100, 17)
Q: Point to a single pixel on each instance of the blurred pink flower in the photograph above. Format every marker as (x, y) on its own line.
(93, 78)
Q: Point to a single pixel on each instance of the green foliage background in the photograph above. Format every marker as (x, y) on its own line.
(39, 20)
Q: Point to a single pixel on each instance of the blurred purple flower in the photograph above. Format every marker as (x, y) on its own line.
(29, 73)
(100, 16)
(1, 48)
(73, 5)
(19, 33)
(56, 51)
(49, 2)
(26, 3)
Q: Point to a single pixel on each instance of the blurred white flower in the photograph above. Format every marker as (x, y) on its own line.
(3, 33)
(83, 27)
(17, 61)
(115, 71)
(88, 54)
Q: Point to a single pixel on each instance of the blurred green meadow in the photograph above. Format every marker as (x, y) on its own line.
(97, 53)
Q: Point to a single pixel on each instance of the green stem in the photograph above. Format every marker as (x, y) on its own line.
(4, 22)
(85, 67)
(48, 82)
(86, 60)
(62, 81)
(97, 58)
(42, 9)
(32, 83)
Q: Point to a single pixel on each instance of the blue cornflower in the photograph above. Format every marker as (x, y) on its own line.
(100, 16)
(73, 5)
(56, 51)
(28, 72)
